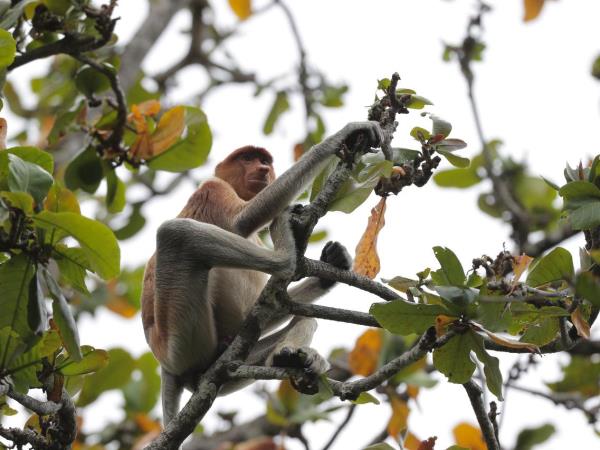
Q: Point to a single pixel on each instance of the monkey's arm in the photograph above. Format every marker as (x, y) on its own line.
(274, 198)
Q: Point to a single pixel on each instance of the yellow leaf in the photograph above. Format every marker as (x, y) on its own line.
(411, 442)
(398, 421)
(583, 328)
(241, 8)
(146, 424)
(367, 260)
(169, 129)
(364, 358)
(532, 9)
(520, 264)
(468, 436)
(147, 108)
(288, 396)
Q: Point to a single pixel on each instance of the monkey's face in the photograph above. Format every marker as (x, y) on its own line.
(257, 174)
(248, 170)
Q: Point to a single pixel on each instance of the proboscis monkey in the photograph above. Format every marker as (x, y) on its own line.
(210, 266)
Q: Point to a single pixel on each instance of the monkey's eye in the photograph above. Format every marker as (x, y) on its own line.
(265, 161)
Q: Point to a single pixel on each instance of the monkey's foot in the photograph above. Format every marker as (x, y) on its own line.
(307, 359)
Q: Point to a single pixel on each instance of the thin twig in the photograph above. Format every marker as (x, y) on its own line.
(330, 313)
(340, 428)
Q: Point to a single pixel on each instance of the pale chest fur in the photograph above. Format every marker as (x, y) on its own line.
(232, 292)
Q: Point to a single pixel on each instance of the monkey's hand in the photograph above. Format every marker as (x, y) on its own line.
(359, 137)
(335, 254)
(305, 358)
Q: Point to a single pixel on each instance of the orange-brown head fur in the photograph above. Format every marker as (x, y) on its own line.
(248, 170)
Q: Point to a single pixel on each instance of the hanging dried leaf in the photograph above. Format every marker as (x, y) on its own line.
(468, 436)
(532, 9)
(367, 260)
(583, 328)
(168, 131)
(364, 358)
(298, 151)
(398, 421)
(241, 8)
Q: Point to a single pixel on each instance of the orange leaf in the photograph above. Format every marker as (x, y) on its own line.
(441, 323)
(468, 436)
(429, 444)
(532, 9)
(412, 390)
(583, 328)
(398, 421)
(367, 260)
(146, 424)
(241, 8)
(148, 108)
(3, 130)
(520, 264)
(142, 147)
(298, 151)
(364, 358)
(411, 442)
(169, 129)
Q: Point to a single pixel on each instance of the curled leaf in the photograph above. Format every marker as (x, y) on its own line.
(581, 325)
(367, 260)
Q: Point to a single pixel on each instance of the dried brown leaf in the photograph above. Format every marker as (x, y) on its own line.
(367, 260)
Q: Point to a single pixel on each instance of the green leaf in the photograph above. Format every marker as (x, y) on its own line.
(11, 346)
(11, 17)
(457, 178)
(96, 239)
(135, 222)
(451, 145)
(84, 171)
(115, 193)
(453, 359)
(28, 177)
(417, 102)
(541, 332)
(26, 366)
(588, 287)
(34, 155)
(530, 437)
(491, 365)
(586, 217)
(61, 199)
(141, 394)
(579, 189)
(280, 105)
(90, 81)
(73, 265)
(93, 360)
(365, 397)
(64, 318)
(190, 151)
(420, 134)
(355, 191)
(15, 276)
(332, 96)
(401, 284)
(451, 266)
(114, 376)
(580, 375)
(455, 160)
(405, 318)
(556, 265)
(65, 122)
(37, 315)
(440, 126)
(8, 48)
(379, 446)
(20, 200)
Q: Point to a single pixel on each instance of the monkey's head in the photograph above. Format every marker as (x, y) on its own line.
(248, 170)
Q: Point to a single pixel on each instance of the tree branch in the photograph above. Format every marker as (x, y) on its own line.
(329, 313)
(41, 408)
(475, 396)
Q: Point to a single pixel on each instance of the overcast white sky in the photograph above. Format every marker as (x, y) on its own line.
(535, 94)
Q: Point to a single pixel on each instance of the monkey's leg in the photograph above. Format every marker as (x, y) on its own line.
(171, 389)
(206, 245)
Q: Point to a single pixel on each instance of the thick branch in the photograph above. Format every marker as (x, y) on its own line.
(475, 396)
(39, 407)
